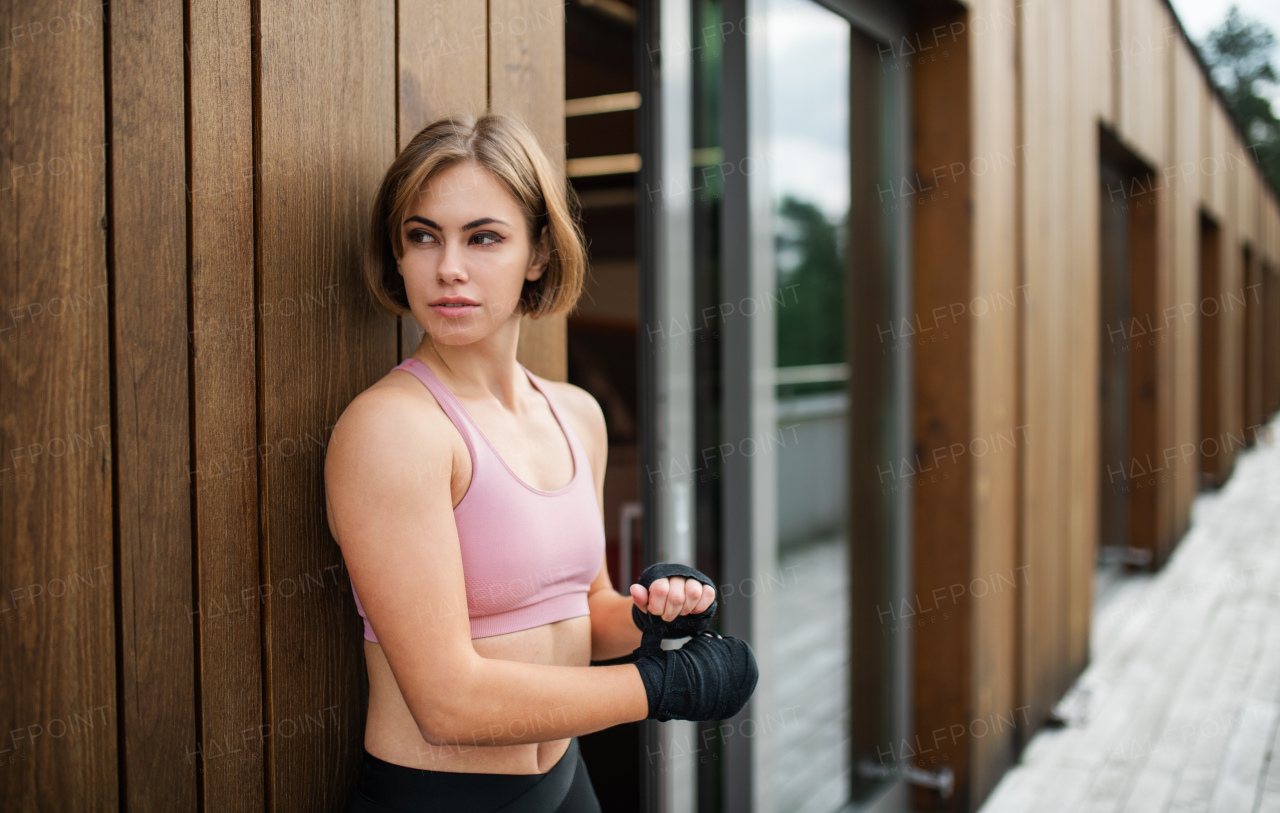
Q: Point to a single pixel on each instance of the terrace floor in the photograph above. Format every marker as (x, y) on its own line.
(1180, 707)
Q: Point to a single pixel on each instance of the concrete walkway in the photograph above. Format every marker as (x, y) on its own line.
(1180, 707)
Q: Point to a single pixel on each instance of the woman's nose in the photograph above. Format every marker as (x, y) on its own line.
(452, 267)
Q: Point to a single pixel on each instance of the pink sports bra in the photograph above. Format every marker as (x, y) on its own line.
(528, 556)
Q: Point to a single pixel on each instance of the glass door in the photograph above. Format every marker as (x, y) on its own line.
(811, 267)
(778, 262)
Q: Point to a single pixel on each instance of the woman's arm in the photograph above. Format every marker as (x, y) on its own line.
(388, 470)
(613, 633)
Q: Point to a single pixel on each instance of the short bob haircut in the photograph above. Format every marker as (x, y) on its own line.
(506, 147)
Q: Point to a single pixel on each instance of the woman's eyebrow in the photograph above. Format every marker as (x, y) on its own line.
(482, 221)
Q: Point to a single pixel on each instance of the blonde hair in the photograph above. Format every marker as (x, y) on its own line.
(505, 146)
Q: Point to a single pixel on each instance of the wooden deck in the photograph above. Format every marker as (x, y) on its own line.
(1180, 708)
(812, 746)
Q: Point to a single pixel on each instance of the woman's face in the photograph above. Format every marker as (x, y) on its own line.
(466, 239)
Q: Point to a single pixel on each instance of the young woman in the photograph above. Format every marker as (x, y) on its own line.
(466, 493)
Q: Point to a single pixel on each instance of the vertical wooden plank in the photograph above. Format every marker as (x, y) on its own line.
(1161, 28)
(1270, 393)
(1058, 350)
(1045, 259)
(1185, 192)
(152, 425)
(227, 611)
(1271, 338)
(443, 70)
(57, 630)
(443, 63)
(1082, 341)
(1252, 318)
(1145, 408)
(526, 77)
(326, 126)
(1214, 461)
(943, 392)
(995, 389)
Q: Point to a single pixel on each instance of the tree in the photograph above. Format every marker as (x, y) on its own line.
(811, 279)
(1238, 53)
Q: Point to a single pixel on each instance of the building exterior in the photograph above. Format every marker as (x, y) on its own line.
(904, 316)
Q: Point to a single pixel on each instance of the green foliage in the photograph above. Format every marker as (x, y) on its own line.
(811, 320)
(1238, 53)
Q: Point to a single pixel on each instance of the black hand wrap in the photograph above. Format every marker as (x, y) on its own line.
(682, 625)
(709, 678)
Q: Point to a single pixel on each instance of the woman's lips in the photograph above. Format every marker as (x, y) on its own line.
(454, 311)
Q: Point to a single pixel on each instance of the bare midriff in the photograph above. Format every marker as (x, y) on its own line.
(392, 735)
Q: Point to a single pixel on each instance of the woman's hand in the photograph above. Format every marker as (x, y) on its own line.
(673, 596)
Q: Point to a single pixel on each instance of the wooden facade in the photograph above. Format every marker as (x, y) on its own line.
(188, 190)
(184, 321)
(1051, 88)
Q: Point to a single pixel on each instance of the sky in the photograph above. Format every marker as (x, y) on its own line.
(1199, 17)
(807, 101)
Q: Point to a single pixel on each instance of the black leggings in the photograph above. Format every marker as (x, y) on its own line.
(388, 788)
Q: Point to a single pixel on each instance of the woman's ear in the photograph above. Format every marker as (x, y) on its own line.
(541, 257)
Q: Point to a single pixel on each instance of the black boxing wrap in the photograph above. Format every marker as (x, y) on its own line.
(682, 625)
(709, 678)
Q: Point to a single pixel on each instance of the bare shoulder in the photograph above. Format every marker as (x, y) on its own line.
(586, 414)
(394, 409)
(582, 404)
(387, 432)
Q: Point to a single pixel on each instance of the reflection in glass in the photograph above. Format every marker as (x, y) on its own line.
(809, 177)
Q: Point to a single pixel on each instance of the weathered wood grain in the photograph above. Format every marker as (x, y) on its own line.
(152, 424)
(326, 125)
(226, 612)
(57, 613)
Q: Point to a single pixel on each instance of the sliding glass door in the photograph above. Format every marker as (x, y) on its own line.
(779, 263)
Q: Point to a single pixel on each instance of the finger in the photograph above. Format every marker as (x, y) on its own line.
(704, 601)
(692, 596)
(640, 596)
(658, 595)
(675, 599)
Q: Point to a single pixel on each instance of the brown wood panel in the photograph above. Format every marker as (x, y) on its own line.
(1146, 476)
(1165, 364)
(227, 611)
(444, 65)
(321, 344)
(1232, 281)
(943, 409)
(57, 640)
(995, 393)
(443, 70)
(1045, 357)
(526, 78)
(1083, 337)
(1214, 460)
(152, 406)
(1253, 338)
(1271, 339)
(1141, 63)
(1189, 111)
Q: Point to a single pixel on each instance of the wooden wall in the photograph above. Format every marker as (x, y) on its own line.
(187, 189)
(995, 396)
(1045, 79)
(943, 393)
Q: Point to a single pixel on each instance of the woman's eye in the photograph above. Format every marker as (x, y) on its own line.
(487, 236)
(418, 236)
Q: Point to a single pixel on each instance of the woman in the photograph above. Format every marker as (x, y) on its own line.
(466, 492)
